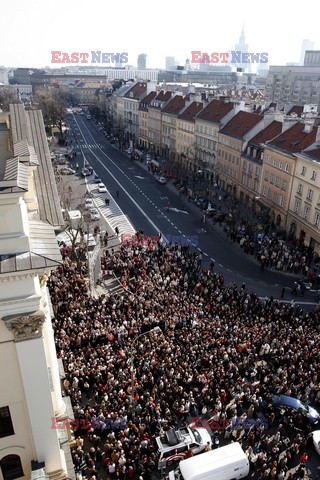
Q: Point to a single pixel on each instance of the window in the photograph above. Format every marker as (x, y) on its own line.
(266, 176)
(270, 193)
(264, 192)
(278, 181)
(258, 171)
(11, 467)
(272, 179)
(275, 197)
(274, 162)
(297, 206)
(281, 201)
(280, 165)
(303, 171)
(286, 168)
(306, 212)
(314, 175)
(6, 427)
(284, 185)
(244, 166)
(310, 193)
(300, 189)
(317, 219)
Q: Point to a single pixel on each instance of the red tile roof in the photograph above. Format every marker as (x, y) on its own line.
(294, 139)
(137, 91)
(174, 106)
(267, 133)
(215, 111)
(298, 109)
(163, 96)
(145, 102)
(190, 112)
(315, 153)
(241, 124)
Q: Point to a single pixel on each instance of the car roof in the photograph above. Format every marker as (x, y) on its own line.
(287, 401)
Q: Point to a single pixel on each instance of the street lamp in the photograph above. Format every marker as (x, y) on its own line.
(153, 330)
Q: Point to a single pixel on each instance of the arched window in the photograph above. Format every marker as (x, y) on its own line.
(11, 467)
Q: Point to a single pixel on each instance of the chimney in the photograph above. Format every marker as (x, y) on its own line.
(308, 127)
(288, 123)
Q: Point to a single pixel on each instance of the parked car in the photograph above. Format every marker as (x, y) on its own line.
(161, 180)
(112, 140)
(94, 214)
(102, 188)
(89, 203)
(67, 171)
(85, 172)
(97, 178)
(108, 137)
(89, 168)
(129, 150)
(283, 401)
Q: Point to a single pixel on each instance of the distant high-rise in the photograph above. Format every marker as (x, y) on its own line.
(142, 61)
(306, 45)
(170, 63)
(242, 46)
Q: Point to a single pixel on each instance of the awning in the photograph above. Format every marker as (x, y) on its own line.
(138, 152)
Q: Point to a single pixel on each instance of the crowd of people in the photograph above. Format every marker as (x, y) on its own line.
(219, 348)
(274, 253)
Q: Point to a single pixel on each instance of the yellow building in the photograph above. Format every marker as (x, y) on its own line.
(170, 114)
(155, 120)
(304, 205)
(233, 139)
(279, 168)
(143, 120)
(185, 146)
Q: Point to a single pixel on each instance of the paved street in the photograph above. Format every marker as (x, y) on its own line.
(144, 200)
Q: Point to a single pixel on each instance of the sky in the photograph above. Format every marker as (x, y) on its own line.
(31, 29)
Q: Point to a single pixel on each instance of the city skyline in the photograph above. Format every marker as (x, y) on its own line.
(69, 33)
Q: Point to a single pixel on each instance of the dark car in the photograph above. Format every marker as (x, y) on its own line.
(97, 179)
(283, 401)
(112, 140)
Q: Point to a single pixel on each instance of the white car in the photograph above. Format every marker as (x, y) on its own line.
(102, 188)
(89, 203)
(94, 214)
(174, 446)
(162, 180)
(316, 440)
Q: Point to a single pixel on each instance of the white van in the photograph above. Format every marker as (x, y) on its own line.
(225, 463)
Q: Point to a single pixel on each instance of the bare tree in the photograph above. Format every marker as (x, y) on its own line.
(8, 95)
(53, 106)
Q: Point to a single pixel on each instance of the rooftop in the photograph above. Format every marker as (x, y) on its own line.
(174, 106)
(137, 91)
(241, 124)
(267, 133)
(215, 111)
(295, 139)
(191, 111)
(28, 129)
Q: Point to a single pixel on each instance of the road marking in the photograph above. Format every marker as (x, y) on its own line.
(178, 211)
(141, 178)
(121, 186)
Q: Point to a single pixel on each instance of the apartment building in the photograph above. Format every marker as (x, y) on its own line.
(154, 120)
(293, 84)
(143, 119)
(208, 122)
(170, 113)
(304, 206)
(251, 164)
(233, 139)
(118, 105)
(185, 146)
(279, 166)
(30, 397)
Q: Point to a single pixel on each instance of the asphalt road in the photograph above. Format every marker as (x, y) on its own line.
(144, 200)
